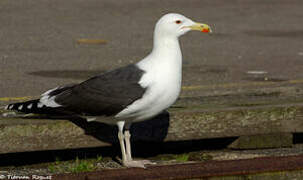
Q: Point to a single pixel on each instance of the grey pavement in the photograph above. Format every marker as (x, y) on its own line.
(38, 48)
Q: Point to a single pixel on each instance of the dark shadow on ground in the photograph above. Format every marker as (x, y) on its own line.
(151, 130)
(298, 138)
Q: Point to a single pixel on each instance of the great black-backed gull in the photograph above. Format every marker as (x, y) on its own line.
(133, 93)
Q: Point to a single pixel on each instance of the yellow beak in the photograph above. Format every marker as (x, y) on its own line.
(200, 27)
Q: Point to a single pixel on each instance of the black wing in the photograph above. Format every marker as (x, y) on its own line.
(106, 94)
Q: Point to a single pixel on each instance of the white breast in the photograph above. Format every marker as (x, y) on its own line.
(163, 82)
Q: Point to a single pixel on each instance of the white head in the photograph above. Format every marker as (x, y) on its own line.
(175, 25)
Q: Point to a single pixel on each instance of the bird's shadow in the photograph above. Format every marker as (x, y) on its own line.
(153, 130)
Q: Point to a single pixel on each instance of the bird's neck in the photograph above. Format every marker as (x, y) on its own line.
(166, 53)
(166, 46)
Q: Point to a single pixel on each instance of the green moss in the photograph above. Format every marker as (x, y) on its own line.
(172, 157)
(182, 157)
(199, 156)
(74, 166)
(99, 158)
(81, 166)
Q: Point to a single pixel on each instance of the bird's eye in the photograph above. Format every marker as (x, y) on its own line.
(178, 22)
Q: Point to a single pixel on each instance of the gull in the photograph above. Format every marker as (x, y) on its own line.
(133, 93)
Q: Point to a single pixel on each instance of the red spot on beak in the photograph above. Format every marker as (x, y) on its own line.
(205, 30)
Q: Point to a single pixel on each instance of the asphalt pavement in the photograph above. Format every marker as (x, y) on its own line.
(39, 49)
